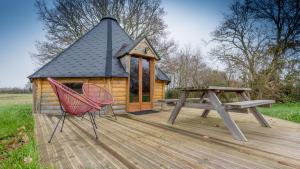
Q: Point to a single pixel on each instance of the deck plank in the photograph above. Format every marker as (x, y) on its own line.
(101, 157)
(67, 139)
(125, 150)
(215, 147)
(147, 141)
(188, 122)
(43, 149)
(53, 156)
(187, 147)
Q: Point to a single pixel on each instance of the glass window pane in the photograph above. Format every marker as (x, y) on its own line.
(134, 80)
(75, 86)
(146, 80)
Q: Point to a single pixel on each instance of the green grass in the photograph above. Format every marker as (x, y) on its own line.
(17, 132)
(286, 111)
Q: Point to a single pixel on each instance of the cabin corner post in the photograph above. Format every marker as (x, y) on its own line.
(34, 88)
(37, 95)
(40, 96)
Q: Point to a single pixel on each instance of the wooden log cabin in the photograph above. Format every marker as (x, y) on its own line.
(108, 57)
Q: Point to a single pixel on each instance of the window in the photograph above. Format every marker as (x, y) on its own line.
(146, 80)
(134, 80)
(75, 86)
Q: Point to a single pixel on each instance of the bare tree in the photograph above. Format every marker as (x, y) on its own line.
(242, 43)
(260, 39)
(65, 21)
(186, 68)
(283, 18)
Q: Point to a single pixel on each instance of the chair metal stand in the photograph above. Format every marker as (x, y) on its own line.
(106, 111)
(112, 110)
(63, 122)
(62, 116)
(55, 128)
(94, 117)
(93, 124)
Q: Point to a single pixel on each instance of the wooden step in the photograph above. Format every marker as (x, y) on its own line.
(248, 104)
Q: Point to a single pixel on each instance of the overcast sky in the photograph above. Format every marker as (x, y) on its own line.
(190, 22)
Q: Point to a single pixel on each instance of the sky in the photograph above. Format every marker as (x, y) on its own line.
(190, 22)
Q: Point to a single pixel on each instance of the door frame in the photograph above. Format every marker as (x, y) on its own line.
(140, 106)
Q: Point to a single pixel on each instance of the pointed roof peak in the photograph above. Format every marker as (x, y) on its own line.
(109, 17)
(126, 48)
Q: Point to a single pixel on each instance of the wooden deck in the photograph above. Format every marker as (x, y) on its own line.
(147, 141)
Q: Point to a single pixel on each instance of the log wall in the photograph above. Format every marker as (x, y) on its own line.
(159, 93)
(45, 101)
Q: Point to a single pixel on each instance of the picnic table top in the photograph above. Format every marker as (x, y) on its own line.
(214, 88)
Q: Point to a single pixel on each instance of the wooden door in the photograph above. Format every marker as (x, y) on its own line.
(141, 81)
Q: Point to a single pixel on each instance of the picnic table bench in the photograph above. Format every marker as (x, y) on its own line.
(176, 100)
(209, 100)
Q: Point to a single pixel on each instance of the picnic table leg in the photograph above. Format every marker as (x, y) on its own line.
(230, 124)
(178, 107)
(206, 111)
(260, 118)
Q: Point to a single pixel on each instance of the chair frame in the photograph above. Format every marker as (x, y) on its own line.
(100, 104)
(83, 99)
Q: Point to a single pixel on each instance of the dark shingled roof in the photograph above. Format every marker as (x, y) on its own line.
(92, 55)
(160, 75)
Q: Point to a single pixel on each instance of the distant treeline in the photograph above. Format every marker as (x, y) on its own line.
(15, 90)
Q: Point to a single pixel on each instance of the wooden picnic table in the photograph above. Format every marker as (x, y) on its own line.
(214, 103)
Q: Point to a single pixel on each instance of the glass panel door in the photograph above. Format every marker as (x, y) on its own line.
(145, 80)
(140, 84)
(134, 80)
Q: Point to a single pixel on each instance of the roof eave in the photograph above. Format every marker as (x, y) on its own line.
(121, 76)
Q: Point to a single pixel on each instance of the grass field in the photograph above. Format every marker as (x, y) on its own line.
(17, 143)
(286, 111)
